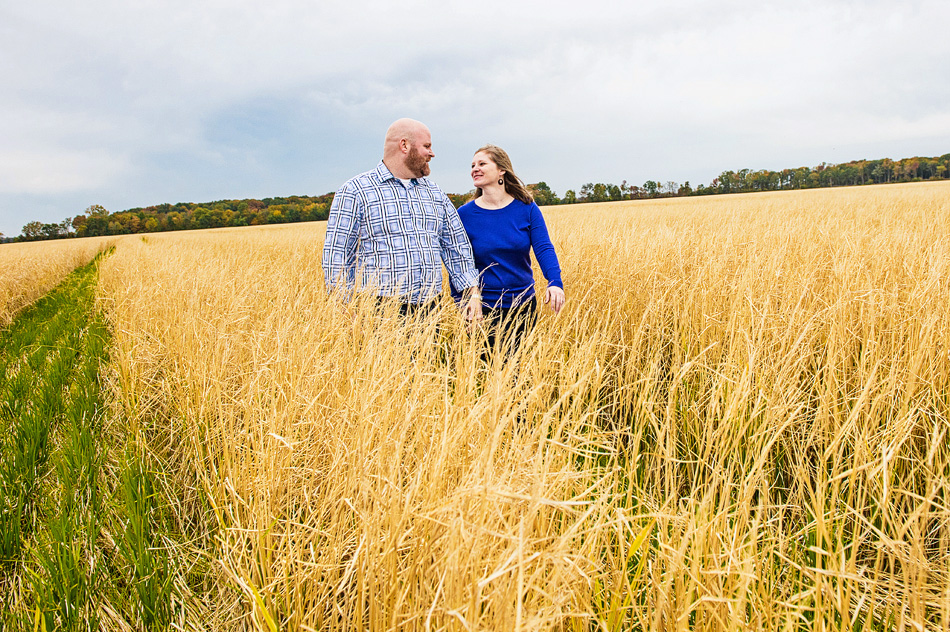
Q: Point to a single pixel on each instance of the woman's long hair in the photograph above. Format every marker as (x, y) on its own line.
(513, 184)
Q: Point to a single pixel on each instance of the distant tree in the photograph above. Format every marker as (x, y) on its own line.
(765, 180)
(725, 182)
(79, 225)
(200, 217)
(216, 218)
(587, 190)
(456, 199)
(651, 187)
(570, 197)
(96, 210)
(292, 213)
(33, 230)
(543, 194)
(313, 212)
(97, 221)
(626, 191)
(911, 168)
(744, 180)
(599, 194)
(799, 177)
(51, 231)
(132, 222)
(630, 191)
(887, 169)
(614, 193)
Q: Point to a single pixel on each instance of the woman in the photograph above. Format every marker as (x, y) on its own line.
(504, 225)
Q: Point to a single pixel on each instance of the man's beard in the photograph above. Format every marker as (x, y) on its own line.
(417, 164)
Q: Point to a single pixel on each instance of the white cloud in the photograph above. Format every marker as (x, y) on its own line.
(54, 170)
(172, 98)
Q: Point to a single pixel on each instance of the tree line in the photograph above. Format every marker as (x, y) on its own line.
(853, 173)
(97, 221)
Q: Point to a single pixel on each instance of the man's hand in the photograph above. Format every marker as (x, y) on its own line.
(554, 296)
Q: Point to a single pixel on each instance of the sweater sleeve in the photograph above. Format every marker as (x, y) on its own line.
(543, 248)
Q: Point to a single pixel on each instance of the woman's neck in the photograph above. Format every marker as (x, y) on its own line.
(494, 197)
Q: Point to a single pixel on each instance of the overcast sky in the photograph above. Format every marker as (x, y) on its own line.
(131, 103)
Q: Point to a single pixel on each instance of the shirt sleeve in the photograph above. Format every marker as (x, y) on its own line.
(339, 246)
(456, 249)
(544, 249)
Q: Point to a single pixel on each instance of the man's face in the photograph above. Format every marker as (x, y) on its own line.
(420, 153)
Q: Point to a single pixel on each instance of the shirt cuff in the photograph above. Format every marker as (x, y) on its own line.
(465, 280)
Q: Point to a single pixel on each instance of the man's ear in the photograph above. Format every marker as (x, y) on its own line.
(404, 145)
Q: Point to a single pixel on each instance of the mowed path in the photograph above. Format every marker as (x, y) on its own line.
(73, 520)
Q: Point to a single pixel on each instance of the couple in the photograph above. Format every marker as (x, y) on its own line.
(390, 229)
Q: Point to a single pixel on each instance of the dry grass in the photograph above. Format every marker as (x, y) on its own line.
(28, 270)
(740, 422)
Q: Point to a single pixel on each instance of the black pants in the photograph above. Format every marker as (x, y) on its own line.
(409, 310)
(507, 326)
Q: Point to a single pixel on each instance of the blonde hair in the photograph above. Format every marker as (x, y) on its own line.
(512, 183)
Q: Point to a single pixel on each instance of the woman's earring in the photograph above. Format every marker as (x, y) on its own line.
(501, 180)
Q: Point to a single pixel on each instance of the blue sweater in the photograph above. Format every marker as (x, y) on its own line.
(502, 240)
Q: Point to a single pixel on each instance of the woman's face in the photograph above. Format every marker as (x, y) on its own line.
(484, 170)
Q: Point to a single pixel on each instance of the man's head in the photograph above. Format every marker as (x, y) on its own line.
(408, 149)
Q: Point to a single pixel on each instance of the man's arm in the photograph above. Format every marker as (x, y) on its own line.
(339, 247)
(458, 259)
(456, 249)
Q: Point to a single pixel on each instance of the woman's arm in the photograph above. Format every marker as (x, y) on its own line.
(547, 259)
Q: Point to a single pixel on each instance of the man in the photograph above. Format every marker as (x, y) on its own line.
(390, 229)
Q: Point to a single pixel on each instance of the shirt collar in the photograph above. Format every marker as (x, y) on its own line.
(384, 174)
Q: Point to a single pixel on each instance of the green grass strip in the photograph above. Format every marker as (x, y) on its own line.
(59, 503)
(50, 404)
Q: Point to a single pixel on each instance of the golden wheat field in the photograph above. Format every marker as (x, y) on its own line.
(29, 270)
(740, 421)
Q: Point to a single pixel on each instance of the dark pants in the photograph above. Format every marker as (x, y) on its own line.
(418, 309)
(507, 326)
(409, 310)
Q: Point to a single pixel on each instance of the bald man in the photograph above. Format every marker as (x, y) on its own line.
(390, 229)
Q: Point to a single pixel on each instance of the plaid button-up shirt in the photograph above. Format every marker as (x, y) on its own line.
(390, 239)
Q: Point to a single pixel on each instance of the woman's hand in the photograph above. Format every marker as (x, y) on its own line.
(554, 296)
(472, 308)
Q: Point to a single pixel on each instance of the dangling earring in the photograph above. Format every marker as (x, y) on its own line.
(501, 180)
